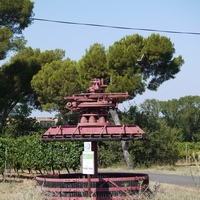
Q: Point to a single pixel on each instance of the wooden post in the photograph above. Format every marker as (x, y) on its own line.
(89, 185)
(94, 148)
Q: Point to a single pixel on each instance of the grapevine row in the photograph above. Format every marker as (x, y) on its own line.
(30, 153)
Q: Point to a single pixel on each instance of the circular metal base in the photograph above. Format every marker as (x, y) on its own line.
(106, 186)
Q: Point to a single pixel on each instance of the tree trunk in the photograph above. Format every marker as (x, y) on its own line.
(124, 143)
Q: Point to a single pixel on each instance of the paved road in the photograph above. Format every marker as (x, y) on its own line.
(175, 179)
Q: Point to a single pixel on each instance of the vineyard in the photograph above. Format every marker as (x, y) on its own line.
(29, 153)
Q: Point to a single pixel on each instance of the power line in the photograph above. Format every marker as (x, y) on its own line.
(117, 27)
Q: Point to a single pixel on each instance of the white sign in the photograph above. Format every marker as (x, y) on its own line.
(88, 162)
(87, 146)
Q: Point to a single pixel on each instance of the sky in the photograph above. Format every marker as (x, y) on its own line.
(179, 15)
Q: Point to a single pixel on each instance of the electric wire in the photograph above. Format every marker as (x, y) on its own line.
(117, 27)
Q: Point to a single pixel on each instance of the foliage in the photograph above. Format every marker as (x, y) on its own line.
(92, 65)
(16, 76)
(55, 81)
(120, 66)
(159, 147)
(45, 76)
(188, 152)
(19, 123)
(15, 16)
(106, 157)
(166, 123)
(33, 154)
(5, 35)
(132, 64)
(158, 64)
(124, 70)
(184, 114)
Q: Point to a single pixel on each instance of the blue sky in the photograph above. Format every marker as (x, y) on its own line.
(179, 15)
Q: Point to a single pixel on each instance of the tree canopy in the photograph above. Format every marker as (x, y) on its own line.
(182, 114)
(15, 16)
(160, 144)
(132, 64)
(55, 81)
(16, 76)
(20, 123)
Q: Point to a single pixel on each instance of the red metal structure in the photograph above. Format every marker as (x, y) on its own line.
(94, 125)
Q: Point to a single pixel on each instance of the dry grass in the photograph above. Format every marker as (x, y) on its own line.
(24, 189)
(178, 170)
(173, 192)
(19, 190)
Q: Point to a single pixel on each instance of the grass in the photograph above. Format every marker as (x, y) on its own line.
(173, 192)
(24, 189)
(177, 170)
(19, 190)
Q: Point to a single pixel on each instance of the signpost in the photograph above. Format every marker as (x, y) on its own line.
(88, 163)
